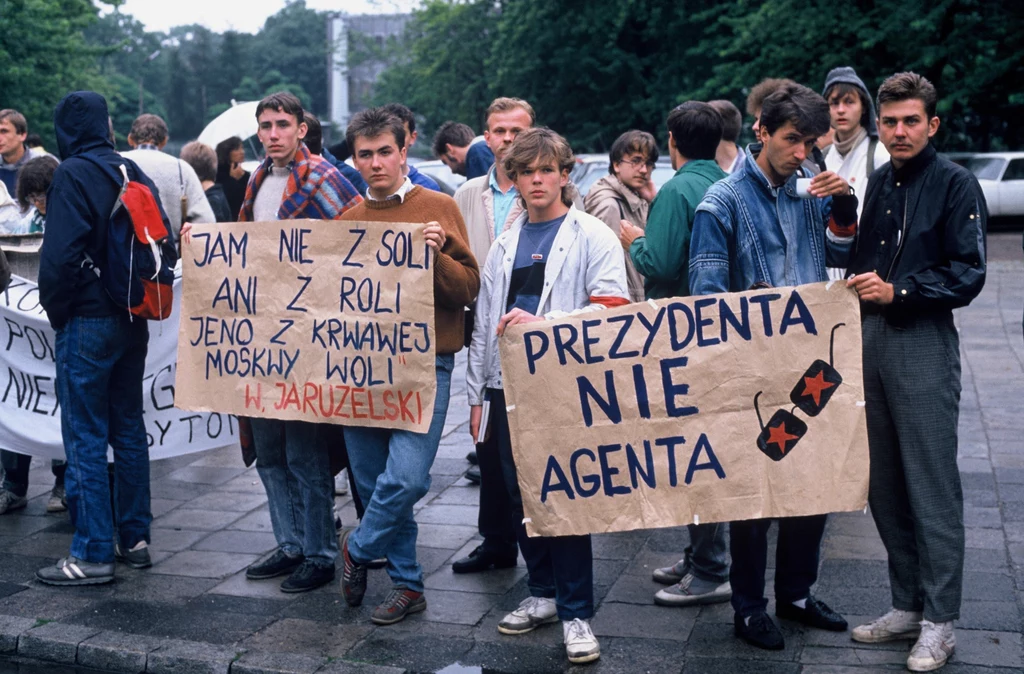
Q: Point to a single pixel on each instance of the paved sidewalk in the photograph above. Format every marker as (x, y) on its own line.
(195, 612)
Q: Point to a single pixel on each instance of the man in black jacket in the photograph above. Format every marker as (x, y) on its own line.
(100, 352)
(920, 254)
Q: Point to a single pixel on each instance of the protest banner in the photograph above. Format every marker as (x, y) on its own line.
(312, 320)
(30, 414)
(689, 410)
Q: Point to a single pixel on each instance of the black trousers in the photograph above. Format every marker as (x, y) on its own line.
(496, 520)
(796, 560)
(16, 468)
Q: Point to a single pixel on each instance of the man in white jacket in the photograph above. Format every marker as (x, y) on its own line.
(554, 260)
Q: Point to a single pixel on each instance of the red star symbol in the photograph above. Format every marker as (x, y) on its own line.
(813, 386)
(778, 436)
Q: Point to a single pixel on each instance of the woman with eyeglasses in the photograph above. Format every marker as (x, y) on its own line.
(34, 179)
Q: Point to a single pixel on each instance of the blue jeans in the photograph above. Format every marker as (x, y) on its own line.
(392, 472)
(296, 472)
(100, 365)
(559, 567)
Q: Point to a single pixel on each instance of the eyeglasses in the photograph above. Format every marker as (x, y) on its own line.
(637, 162)
(36, 198)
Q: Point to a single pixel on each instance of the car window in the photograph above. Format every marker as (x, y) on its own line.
(1015, 171)
(662, 174)
(588, 174)
(986, 168)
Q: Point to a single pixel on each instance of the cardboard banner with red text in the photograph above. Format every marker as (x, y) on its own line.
(688, 410)
(321, 321)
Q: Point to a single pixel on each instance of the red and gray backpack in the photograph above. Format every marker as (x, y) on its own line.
(139, 272)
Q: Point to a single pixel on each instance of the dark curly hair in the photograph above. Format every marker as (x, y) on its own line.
(34, 178)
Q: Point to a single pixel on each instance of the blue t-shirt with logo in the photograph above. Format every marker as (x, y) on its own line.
(527, 280)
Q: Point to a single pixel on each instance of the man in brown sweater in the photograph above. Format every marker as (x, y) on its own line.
(392, 467)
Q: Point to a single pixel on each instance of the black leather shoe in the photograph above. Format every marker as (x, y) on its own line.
(760, 632)
(471, 457)
(279, 564)
(309, 576)
(483, 560)
(817, 614)
(473, 474)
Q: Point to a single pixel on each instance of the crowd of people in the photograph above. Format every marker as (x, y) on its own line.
(839, 185)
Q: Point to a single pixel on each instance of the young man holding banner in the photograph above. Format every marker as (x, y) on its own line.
(753, 229)
(554, 260)
(391, 467)
(290, 184)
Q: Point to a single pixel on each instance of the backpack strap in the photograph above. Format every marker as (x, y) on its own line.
(872, 146)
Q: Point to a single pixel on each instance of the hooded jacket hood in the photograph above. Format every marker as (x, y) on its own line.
(609, 187)
(847, 75)
(81, 122)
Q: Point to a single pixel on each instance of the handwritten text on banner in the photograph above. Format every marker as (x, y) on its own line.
(320, 321)
(697, 409)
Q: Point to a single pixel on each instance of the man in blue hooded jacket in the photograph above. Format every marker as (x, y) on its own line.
(100, 350)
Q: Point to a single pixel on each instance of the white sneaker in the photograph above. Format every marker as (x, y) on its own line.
(580, 643)
(895, 624)
(532, 612)
(933, 647)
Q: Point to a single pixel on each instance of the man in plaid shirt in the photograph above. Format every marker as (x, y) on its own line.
(292, 184)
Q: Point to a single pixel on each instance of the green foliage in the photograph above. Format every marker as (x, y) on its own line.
(294, 41)
(187, 76)
(43, 55)
(441, 73)
(595, 68)
(591, 68)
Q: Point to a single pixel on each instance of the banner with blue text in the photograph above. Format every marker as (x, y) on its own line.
(30, 413)
(689, 410)
(313, 320)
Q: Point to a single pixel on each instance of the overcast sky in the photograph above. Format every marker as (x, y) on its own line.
(247, 16)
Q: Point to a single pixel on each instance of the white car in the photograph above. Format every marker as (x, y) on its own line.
(1001, 176)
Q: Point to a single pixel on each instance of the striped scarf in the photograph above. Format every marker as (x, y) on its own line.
(315, 190)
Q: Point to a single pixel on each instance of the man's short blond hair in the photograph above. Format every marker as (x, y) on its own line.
(507, 104)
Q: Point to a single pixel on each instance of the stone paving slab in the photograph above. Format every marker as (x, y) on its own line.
(195, 612)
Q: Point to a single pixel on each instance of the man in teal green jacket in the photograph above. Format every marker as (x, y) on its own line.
(661, 252)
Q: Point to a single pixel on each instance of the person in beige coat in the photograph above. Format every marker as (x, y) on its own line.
(626, 193)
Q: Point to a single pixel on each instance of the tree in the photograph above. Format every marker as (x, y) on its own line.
(43, 56)
(441, 70)
(595, 69)
(294, 42)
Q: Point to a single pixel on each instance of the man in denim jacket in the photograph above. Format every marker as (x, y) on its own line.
(752, 229)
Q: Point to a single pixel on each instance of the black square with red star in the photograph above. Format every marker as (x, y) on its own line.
(780, 436)
(815, 388)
